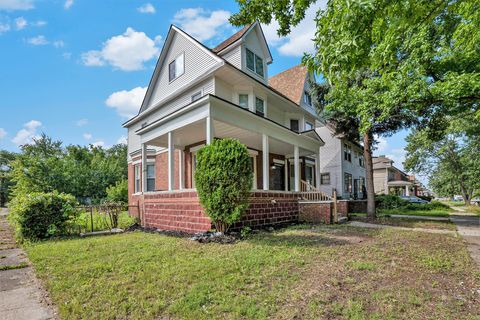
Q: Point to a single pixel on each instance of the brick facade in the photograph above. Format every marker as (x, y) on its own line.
(320, 212)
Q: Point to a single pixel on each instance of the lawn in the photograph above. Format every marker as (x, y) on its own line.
(304, 272)
(406, 222)
(403, 211)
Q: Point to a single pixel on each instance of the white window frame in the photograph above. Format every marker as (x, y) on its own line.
(255, 63)
(177, 75)
(247, 107)
(290, 124)
(307, 95)
(137, 177)
(329, 179)
(310, 124)
(150, 164)
(264, 105)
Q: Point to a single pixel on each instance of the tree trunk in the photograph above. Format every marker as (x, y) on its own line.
(466, 196)
(367, 153)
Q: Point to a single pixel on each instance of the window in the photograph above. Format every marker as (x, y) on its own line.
(254, 63)
(361, 183)
(176, 67)
(196, 96)
(361, 161)
(243, 100)
(150, 177)
(294, 125)
(137, 178)
(308, 126)
(325, 178)
(347, 153)
(307, 98)
(259, 106)
(347, 182)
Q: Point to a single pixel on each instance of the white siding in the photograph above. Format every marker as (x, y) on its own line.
(197, 62)
(353, 167)
(306, 87)
(234, 56)
(331, 161)
(252, 42)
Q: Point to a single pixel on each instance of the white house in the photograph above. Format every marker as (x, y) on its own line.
(198, 94)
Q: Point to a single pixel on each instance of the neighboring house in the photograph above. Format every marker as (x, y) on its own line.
(198, 94)
(388, 179)
(342, 165)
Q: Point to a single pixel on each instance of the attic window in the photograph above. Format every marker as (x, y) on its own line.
(254, 63)
(307, 98)
(176, 67)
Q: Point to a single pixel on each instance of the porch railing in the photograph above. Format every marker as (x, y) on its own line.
(311, 193)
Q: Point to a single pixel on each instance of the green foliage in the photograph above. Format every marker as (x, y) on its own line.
(6, 183)
(40, 215)
(119, 192)
(389, 201)
(223, 178)
(85, 172)
(101, 221)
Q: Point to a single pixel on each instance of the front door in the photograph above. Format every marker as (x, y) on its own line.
(277, 177)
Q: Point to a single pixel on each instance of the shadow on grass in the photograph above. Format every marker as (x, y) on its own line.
(295, 239)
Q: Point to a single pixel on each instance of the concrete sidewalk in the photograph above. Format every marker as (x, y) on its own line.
(21, 295)
(468, 226)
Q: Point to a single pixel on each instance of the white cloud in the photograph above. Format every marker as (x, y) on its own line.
(39, 23)
(146, 8)
(20, 23)
(122, 140)
(38, 41)
(398, 156)
(99, 143)
(382, 144)
(4, 27)
(11, 5)
(87, 136)
(300, 38)
(202, 24)
(81, 122)
(3, 133)
(67, 55)
(126, 52)
(68, 4)
(28, 133)
(127, 103)
(59, 44)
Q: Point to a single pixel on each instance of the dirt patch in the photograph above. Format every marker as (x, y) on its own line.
(408, 223)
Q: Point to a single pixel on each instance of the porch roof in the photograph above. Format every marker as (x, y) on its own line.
(399, 183)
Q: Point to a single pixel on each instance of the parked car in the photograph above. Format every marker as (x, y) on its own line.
(413, 199)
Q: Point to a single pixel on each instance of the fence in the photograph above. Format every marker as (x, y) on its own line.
(105, 216)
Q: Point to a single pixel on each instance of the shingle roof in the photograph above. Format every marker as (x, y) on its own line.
(290, 82)
(232, 39)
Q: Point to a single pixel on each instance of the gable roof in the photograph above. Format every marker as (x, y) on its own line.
(238, 35)
(290, 82)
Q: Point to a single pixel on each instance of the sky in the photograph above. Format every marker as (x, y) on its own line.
(77, 69)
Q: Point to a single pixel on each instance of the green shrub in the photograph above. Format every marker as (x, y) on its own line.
(434, 205)
(118, 193)
(389, 201)
(223, 178)
(41, 215)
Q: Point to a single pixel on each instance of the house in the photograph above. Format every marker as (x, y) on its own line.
(197, 94)
(388, 179)
(342, 165)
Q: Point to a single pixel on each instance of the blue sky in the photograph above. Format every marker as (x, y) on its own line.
(77, 69)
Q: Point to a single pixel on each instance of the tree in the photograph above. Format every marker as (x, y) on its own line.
(223, 178)
(6, 159)
(451, 161)
(387, 64)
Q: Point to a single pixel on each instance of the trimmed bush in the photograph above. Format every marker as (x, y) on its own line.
(389, 201)
(118, 193)
(223, 178)
(42, 215)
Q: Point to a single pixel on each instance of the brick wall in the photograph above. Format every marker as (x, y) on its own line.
(316, 212)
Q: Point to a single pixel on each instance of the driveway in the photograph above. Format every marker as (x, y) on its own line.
(468, 226)
(21, 295)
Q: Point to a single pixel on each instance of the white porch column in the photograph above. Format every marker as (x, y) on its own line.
(171, 159)
(181, 169)
(317, 170)
(296, 165)
(265, 162)
(407, 191)
(144, 167)
(286, 174)
(209, 127)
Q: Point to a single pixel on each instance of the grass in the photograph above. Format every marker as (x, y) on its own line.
(100, 222)
(304, 272)
(430, 213)
(406, 222)
(14, 266)
(473, 209)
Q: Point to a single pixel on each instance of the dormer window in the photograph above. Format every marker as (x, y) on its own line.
(255, 63)
(176, 67)
(307, 98)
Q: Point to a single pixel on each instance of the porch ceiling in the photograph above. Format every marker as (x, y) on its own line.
(196, 133)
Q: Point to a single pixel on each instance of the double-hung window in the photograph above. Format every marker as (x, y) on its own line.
(347, 182)
(294, 125)
(176, 67)
(347, 153)
(255, 63)
(259, 106)
(307, 98)
(243, 100)
(138, 174)
(325, 178)
(150, 177)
